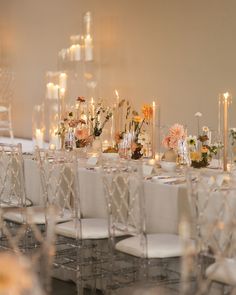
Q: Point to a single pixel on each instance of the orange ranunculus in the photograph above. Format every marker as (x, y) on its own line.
(117, 137)
(133, 146)
(204, 149)
(137, 119)
(81, 133)
(147, 111)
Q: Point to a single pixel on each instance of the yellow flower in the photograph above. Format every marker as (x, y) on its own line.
(137, 119)
(147, 111)
(195, 156)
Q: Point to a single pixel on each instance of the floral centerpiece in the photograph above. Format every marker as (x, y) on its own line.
(140, 132)
(201, 149)
(98, 120)
(232, 136)
(171, 141)
(81, 129)
(135, 135)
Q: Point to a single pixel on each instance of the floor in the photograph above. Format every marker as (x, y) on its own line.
(68, 288)
(63, 288)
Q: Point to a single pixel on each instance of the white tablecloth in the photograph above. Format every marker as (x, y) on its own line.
(165, 204)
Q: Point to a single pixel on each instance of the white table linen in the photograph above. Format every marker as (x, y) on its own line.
(165, 204)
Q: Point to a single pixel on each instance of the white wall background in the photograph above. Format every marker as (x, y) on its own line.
(181, 52)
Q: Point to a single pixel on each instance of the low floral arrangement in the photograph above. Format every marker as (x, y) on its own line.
(83, 129)
(201, 150)
(232, 135)
(136, 126)
(98, 120)
(139, 125)
(175, 133)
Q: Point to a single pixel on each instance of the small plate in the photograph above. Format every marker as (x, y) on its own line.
(168, 166)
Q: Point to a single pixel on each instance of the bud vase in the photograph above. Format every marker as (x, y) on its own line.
(97, 145)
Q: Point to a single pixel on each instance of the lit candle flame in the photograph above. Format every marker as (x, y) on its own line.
(117, 94)
(38, 132)
(226, 95)
(62, 91)
(63, 75)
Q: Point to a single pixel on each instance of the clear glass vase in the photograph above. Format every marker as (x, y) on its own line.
(95, 148)
(183, 153)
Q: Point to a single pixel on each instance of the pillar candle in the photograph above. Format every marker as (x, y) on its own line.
(56, 92)
(50, 88)
(39, 138)
(88, 43)
(63, 80)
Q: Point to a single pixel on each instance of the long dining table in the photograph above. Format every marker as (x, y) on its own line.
(166, 200)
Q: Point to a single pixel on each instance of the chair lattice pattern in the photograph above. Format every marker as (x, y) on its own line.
(74, 254)
(6, 85)
(12, 192)
(58, 178)
(7, 80)
(123, 190)
(213, 203)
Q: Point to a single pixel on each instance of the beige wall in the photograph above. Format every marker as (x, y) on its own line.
(182, 52)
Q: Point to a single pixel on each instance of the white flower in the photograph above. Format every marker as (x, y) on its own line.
(192, 140)
(232, 129)
(198, 114)
(205, 129)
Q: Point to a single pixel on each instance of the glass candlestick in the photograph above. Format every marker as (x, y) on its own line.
(224, 101)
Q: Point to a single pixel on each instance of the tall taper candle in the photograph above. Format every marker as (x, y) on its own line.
(153, 129)
(225, 103)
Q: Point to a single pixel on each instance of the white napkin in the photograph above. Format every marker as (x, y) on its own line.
(92, 161)
(147, 169)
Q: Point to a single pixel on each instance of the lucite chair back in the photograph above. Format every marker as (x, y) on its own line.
(123, 189)
(75, 253)
(12, 187)
(7, 81)
(58, 172)
(31, 241)
(212, 197)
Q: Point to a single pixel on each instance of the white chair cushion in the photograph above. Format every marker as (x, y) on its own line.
(223, 271)
(92, 228)
(3, 109)
(38, 216)
(13, 201)
(158, 246)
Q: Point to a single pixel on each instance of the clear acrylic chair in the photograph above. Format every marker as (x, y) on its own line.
(140, 257)
(12, 188)
(211, 264)
(31, 242)
(7, 79)
(78, 238)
